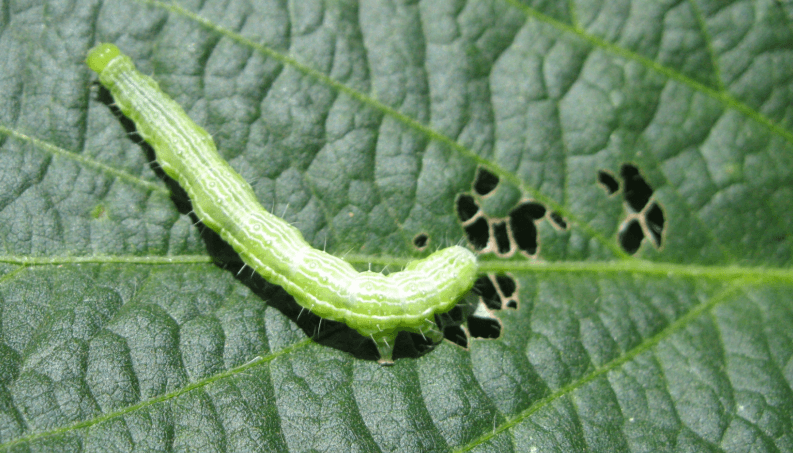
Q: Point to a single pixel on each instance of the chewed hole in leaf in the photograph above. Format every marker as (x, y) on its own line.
(456, 335)
(637, 191)
(525, 235)
(655, 223)
(646, 218)
(558, 220)
(466, 207)
(501, 236)
(631, 236)
(496, 292)
(528, 211)
(485, 182)
(487, 291)
(484, 327)
(506, 284)
(458, 313)
(608, 181)
(420, 241)
(522, 222)
(478, 234)
(482, 322)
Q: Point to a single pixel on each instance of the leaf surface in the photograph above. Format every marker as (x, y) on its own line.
(125, 327)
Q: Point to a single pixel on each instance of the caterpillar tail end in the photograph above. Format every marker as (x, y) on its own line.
(101, 55)
(385, 345)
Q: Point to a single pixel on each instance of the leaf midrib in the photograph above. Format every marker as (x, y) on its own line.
(631, 265)
(718, 273)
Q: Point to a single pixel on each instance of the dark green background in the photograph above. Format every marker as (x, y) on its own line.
(361, 122)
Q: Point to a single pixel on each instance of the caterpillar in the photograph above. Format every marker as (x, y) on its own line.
(377, 306)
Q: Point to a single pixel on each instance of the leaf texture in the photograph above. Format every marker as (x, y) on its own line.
(649, 146)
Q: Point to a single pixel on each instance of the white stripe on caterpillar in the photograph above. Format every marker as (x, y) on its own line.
(376, 305)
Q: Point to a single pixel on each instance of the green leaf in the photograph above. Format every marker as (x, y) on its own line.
(363, 123)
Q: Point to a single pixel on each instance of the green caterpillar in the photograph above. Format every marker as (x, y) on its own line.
(376, 305)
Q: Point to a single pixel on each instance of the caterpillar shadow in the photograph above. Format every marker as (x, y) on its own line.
(323, 331)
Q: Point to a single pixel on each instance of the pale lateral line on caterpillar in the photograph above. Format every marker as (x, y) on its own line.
(376, 305)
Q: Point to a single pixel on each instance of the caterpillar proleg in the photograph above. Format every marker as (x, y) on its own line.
(376, 305)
